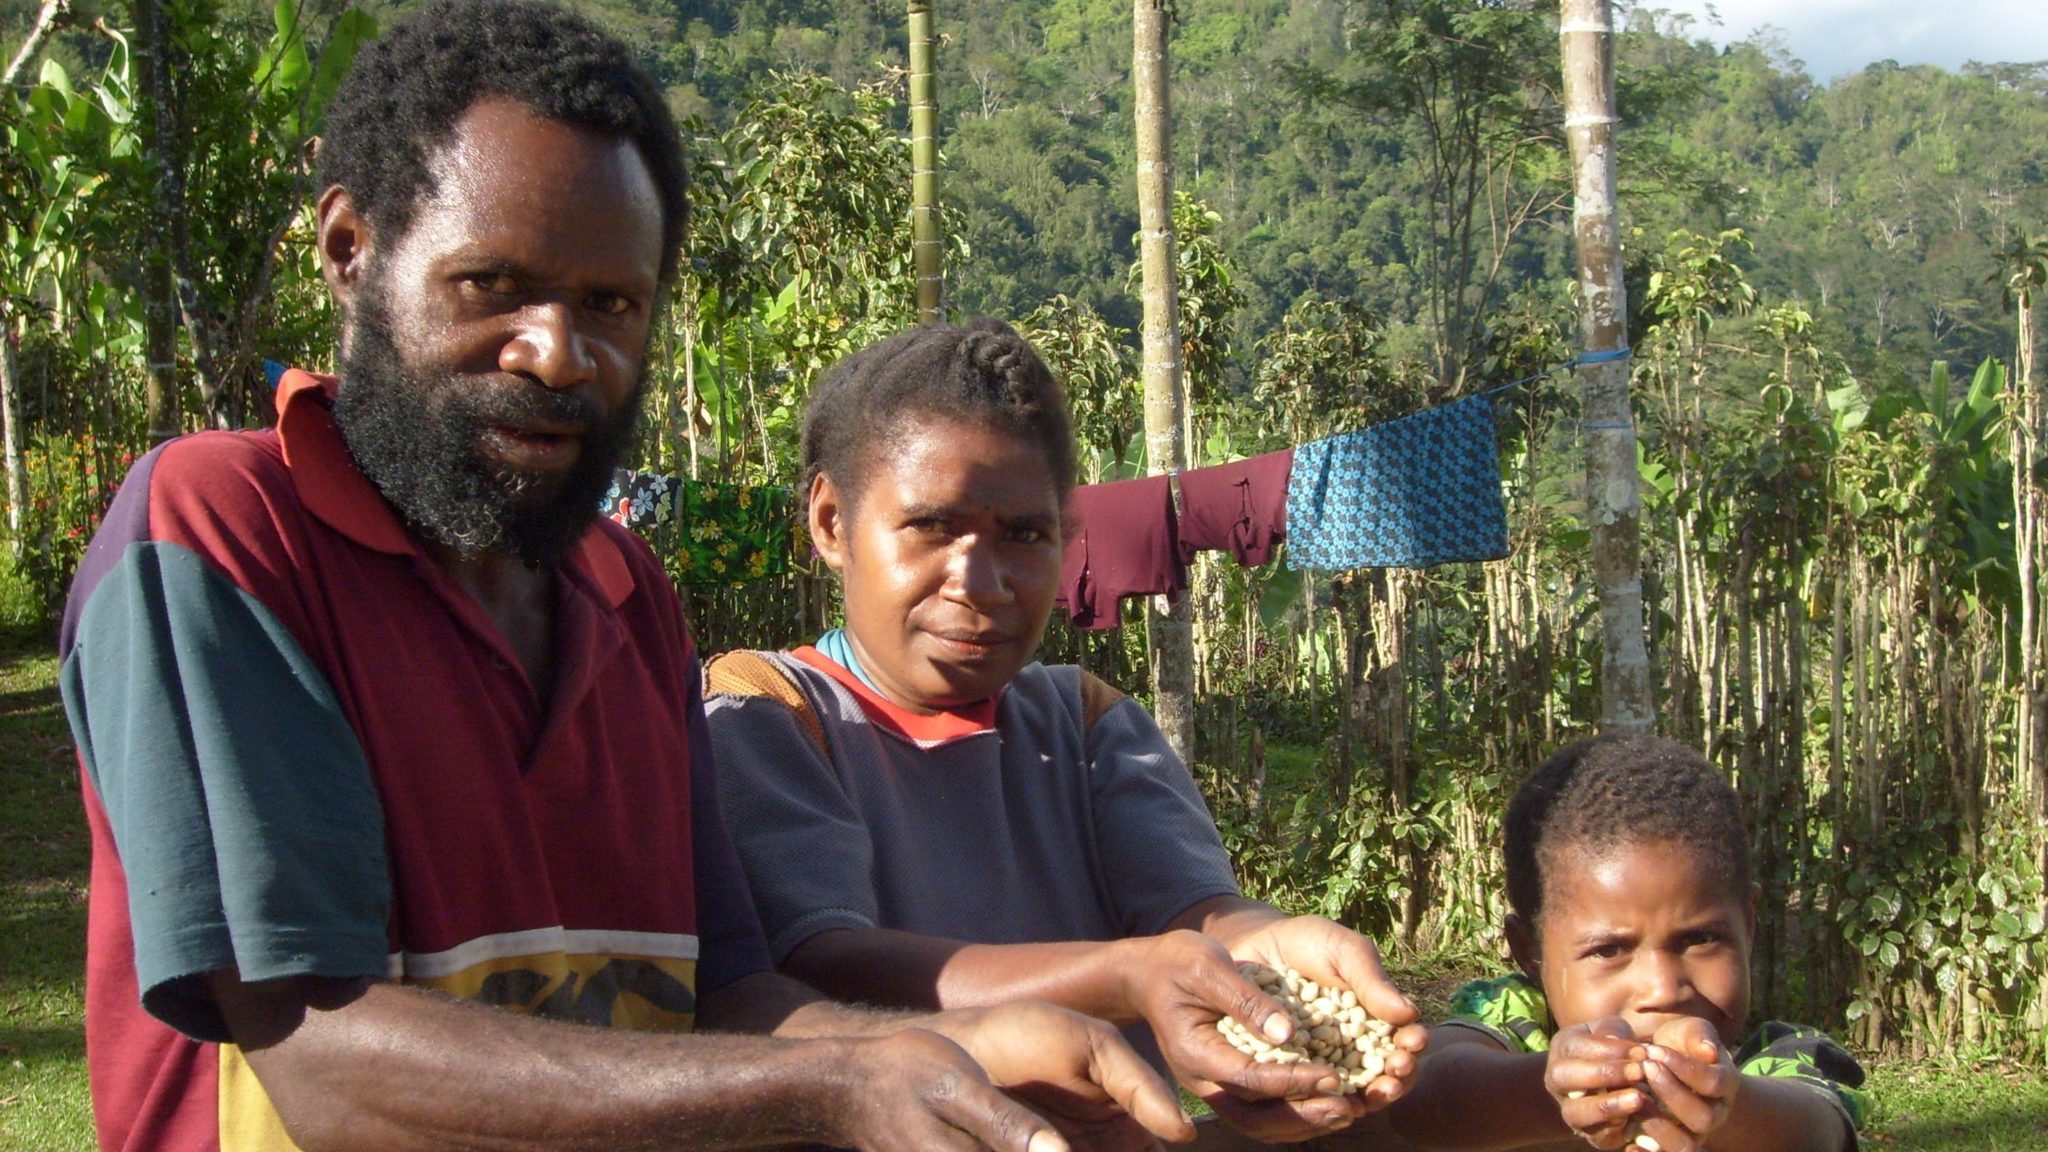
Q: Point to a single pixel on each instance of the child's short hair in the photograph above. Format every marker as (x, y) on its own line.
(983, 372)
(1615, 790)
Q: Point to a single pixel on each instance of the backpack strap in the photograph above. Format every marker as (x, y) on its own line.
(744, 673)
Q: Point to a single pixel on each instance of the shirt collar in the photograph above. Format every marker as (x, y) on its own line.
(336, 491)
(926, 731)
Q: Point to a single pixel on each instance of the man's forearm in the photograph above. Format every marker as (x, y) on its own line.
(381, 1067)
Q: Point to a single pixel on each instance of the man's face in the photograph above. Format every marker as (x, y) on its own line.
(492, 354)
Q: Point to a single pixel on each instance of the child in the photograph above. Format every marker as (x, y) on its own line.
(1631, 918)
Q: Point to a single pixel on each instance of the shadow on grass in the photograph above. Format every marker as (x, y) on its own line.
(32, 702)
(43, 1045)
(2019, 1128)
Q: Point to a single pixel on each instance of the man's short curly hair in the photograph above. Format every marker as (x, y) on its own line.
(1620, 790)
(980, 373)
(401, 100)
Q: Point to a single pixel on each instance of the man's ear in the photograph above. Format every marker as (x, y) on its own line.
(1523, 946)
(828, 521)
(344, 240)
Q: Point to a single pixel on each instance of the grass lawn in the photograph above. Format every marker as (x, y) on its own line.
(43, 860)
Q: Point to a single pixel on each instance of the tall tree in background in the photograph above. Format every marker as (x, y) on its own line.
(1172, 629)
(48, 19)
(1454, 80)
(2023, 273)
(927, 251)
(1613, 505)
(162, 407)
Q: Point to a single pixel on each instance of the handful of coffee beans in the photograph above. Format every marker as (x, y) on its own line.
(1330, 1027)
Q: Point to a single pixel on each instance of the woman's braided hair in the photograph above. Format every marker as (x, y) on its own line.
(982, 373)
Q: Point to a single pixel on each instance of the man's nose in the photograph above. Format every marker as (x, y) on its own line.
(549, 347)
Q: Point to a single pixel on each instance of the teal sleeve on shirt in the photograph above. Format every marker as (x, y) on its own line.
(240, 800)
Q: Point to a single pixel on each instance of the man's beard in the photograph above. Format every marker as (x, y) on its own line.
(416, 439)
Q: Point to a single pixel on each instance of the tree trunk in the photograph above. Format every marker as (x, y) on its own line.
(10, 431)
(161, 399)
(50, 17)
(1171, 630)
(927, 253)
(1612, 504)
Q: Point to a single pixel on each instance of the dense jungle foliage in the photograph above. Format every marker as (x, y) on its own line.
(1832, 292)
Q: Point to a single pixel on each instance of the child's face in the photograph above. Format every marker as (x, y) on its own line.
(1646, 932)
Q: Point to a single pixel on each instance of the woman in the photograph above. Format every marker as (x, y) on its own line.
(930, 818)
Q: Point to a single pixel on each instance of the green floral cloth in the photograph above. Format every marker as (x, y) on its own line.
(1512, 1010)
(709, 532)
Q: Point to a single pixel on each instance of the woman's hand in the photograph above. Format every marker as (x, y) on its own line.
(1336, 957)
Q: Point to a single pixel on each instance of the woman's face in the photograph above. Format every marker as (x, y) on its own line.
(950, 557)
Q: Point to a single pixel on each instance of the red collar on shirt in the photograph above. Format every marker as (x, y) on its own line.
(918, 728)
(336, 491)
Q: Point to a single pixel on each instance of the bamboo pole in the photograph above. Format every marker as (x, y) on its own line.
(927, 251)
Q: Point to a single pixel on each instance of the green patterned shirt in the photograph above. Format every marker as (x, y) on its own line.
(1511, 1009)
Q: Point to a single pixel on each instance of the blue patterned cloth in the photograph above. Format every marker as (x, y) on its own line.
(1410, 493)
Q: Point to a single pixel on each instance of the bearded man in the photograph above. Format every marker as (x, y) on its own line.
(393, 751)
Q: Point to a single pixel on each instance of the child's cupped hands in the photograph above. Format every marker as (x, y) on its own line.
(1693, 1078)
(1595, 1073)
(1663, 1093)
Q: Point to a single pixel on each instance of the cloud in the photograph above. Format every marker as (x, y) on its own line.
(1836, 37)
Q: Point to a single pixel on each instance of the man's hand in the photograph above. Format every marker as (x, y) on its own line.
(1694, 1080)
(1594, 1072)
(914, 1090)
(1075, 1069)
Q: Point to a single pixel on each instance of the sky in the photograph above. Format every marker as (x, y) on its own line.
(1836, 37)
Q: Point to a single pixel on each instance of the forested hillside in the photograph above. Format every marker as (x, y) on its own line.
(1875, 202)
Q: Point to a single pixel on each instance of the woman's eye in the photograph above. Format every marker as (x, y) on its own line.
(1604, 952)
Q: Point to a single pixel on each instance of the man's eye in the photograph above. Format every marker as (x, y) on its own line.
(492, 283)
(1026, 535)
(611, 304)
(1604, 952)
(1703, 940)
